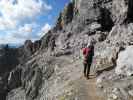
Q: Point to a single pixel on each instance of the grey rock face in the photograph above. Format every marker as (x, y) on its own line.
(9, 59)
(14, 79)
(65, 16)
(32, 84)
(28, 49)
(119, 10)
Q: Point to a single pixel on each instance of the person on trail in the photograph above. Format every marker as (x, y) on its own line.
(88, 53)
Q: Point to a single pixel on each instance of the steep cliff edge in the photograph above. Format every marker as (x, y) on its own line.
(54, 71)
(10, 57)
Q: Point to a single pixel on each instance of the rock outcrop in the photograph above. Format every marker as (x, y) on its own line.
(10, 58)
(124, 62)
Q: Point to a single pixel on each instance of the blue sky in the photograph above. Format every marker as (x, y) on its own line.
(27, 19)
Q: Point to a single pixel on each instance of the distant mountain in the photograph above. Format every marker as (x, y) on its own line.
(10, 45)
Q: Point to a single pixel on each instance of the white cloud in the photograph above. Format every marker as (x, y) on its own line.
(44, 30)
(13, 13)
(47, 7)
(7, 23)
(10, 39)
(20, 35)
(24, 32)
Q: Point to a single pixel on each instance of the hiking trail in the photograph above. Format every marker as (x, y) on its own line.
(86, 87)
(92, 91)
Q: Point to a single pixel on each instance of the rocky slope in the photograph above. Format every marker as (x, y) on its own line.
(10, 58)
(53, 71)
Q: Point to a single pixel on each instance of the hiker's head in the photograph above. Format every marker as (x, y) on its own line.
(90, 43)
(83, 45)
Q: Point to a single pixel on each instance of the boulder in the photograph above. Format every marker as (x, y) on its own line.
(130, 92)
(124, 62)
(106, 60)
(95, 26)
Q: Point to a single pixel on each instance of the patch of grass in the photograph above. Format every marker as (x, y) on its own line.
(62, 98)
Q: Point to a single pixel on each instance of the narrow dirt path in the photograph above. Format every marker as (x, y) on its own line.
(86, 87)
(92, 91)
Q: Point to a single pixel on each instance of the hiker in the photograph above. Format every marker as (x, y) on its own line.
(88, 53)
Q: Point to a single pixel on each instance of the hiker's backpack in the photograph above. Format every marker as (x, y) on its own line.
(88, 54)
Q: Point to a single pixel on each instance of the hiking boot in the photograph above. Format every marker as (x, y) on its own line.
(87, 77)
(84, 75)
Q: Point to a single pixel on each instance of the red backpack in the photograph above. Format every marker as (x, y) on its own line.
(86, 52)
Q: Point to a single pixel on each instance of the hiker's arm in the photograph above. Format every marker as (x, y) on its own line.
(93, 51)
